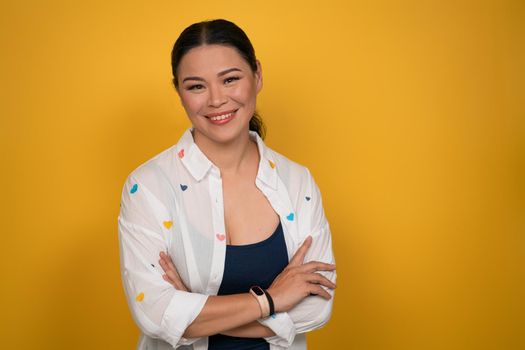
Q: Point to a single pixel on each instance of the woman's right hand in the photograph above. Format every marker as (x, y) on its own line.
(299, 280)
(171, 274)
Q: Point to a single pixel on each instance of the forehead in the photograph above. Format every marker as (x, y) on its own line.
(210, 59)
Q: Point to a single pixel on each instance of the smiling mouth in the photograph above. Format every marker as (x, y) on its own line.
(217, 117)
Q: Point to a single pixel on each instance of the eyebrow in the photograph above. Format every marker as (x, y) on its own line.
(220, 74)
(224, 72)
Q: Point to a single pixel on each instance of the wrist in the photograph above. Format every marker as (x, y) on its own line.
(270, 302)
(263, 300)
(276, 306)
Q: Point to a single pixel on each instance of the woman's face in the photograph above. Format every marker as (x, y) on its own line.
(218, 90)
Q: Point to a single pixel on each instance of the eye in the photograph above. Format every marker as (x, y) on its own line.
(195, 87)
(230, 80)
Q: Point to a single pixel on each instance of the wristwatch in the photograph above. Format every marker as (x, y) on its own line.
(265, 301)
(262, 299)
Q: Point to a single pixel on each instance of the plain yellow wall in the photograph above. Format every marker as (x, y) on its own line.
(410, 114)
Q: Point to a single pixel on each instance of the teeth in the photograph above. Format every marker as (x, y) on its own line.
(221, 117)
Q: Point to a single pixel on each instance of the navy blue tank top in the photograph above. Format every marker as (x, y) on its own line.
(245, 266)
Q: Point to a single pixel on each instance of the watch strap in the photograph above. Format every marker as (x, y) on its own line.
(270, 302)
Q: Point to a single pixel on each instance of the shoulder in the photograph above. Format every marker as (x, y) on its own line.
(293, 174)
(286, 164)
(149, 171)
(302, 192)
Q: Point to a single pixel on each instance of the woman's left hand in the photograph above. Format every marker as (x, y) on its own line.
(171, 275)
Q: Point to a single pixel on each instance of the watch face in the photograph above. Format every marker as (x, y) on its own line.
(258, 291)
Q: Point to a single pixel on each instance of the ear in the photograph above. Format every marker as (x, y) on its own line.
(258, 77)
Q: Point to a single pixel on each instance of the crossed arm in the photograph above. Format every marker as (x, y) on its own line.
(236, 315)
(172, 313)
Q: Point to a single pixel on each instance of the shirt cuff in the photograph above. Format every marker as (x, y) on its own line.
(182, 310)
(282, 325)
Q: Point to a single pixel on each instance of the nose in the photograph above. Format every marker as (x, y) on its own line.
(216, 96)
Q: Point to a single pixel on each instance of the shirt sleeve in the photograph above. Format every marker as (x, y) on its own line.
(312, 312)
(159, 310)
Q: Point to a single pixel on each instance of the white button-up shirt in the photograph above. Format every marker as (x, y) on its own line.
(174, 203)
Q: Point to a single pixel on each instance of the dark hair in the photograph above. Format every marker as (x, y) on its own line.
(221, 32)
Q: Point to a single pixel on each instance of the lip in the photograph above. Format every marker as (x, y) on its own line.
(211, 115)
(233, 114)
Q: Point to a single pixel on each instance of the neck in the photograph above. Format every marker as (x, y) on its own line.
(230, 157)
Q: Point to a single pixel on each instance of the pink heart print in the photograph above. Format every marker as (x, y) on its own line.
(220, 236)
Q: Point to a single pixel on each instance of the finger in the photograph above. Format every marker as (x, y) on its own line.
(165, 257)
(167, 264)
(176, 282)
(171, 272)
(317, 278)
(164, 260)
(167, 279)
(172, 267)
(180, 286)
(164, 265)
(313, 266)
(172, 275)
(299, 255)
(318, 290)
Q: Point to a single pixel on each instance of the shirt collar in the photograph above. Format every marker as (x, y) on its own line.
(267, 172)
(198, 164)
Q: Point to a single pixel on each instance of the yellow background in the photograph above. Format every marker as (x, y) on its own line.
(410, 115)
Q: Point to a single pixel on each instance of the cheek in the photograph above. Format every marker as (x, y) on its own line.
(192, 103)
(244, 93)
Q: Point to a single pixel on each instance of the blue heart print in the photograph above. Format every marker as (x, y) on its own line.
(183, 187)
(134, 188)
(290, 217)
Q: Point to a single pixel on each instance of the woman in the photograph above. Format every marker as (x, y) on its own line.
(245, 249)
